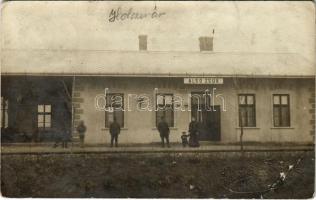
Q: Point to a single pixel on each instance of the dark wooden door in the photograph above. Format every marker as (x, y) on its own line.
(214, 124)
(209, 125)
(207, 116)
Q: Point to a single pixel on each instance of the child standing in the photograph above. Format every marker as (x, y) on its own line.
(184, 138)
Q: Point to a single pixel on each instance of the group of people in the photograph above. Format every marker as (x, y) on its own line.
(65, 136)
(114, 129)
(193, 135)
(191, 140)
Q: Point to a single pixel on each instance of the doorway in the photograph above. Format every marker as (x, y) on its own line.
(207, 116)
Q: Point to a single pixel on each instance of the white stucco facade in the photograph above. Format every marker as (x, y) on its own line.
(140, 125)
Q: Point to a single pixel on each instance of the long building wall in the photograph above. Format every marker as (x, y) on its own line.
(140, 125)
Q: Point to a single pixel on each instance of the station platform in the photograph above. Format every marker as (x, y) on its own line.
(48, 148)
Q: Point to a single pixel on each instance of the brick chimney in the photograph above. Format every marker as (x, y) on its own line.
(206, 42)
(142, 42)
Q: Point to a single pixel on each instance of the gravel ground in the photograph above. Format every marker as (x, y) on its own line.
(157, 175)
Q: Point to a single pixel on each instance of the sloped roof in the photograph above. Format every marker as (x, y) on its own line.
(146, 63)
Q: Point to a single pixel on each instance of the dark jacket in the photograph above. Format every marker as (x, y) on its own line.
(194, 138)
(193, 127)
(66, 136)
(81, 129)
(163, 128)
(115, 128)
(184, 138)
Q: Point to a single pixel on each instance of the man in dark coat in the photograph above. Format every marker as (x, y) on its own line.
(62, 134)
(81, 129)
(115, 130)
(66, 138)
(164, 131)
(194, 131)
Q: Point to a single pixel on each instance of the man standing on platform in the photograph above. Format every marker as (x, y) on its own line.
(115, 130)
(164, 131)
(81, 129)
(194, 133)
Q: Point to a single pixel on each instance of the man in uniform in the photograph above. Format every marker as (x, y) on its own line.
(115, 130)
(164, 131)
(81, 129)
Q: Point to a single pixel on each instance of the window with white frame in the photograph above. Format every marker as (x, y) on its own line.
(44, 116)
(281, 110)
(247, 110)
(115, 109)
(164, 103)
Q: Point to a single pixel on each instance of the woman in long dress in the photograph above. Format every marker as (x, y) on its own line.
(193, 130)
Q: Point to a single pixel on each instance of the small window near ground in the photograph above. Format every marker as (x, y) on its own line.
(247, 110)
(44, 116)
(281, 110)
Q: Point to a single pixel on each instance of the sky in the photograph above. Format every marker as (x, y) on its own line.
(264, 27)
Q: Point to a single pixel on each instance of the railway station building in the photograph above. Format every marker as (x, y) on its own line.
(48, 91)
(275, 105)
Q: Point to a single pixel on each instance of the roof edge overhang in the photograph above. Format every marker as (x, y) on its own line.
(162, 75)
